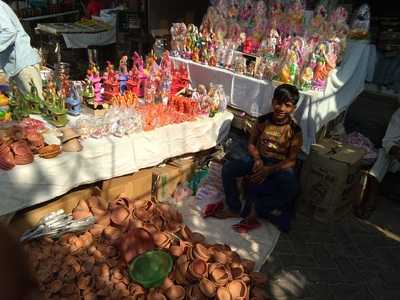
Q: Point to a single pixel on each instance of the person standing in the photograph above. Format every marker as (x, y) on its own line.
(19, 60)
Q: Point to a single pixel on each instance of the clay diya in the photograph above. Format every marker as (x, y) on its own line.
(177, 250)
(237, 289)
(201, 252)
(161, 240)
(176, 292)
(223, 294)
(198, 269)
(219, 274)
(207, 287)
(237, 270)
(50, 151)
(194, 292)
(97, 230)
(112, 233)
(220, 257)
(134, 242)
(168, 282)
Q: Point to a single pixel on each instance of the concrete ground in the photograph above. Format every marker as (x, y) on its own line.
(353, 259)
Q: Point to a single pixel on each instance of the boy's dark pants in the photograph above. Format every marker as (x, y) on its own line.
(276, 192)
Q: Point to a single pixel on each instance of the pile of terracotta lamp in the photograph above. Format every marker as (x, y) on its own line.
(93, 264)
(19, 147)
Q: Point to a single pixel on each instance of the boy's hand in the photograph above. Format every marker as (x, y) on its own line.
(261, 174)
(258, 165)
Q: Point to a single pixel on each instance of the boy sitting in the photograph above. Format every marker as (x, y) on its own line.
(271, 183)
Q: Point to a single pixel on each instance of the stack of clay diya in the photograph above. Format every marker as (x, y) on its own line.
(70, 140)
(50, 151)
(93, 265)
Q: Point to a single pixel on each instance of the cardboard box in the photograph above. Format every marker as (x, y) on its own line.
(28, 218)
(135, 186)
(330, 176)
(186, 166)
(165, 181)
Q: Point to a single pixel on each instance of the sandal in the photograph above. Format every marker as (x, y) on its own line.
(244, 227)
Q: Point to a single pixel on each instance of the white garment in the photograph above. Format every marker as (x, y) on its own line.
(385, 162)
(28, 74)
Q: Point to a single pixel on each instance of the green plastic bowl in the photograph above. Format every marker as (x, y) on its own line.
(151, 268)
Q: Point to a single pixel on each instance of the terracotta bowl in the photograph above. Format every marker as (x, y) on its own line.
(237, 289)
(161, 239)
(220, 257)
(201, 252)
(176, 250)
(120, 215)
(223, 294)
(176, 292)
(207, 287)
(80, 214)
(112, 233)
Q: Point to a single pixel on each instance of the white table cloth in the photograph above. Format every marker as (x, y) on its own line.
(315, 109)
(106, 158)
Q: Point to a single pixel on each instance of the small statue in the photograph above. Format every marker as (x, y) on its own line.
(73, 102)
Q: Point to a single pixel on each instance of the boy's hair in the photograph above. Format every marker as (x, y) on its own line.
(286, 93)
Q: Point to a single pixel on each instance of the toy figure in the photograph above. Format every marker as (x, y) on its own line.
(178, 35)
(360, 23)
(319, 25)
(247, 11)
(54, 108)
(290, 68)
(325, 62)
(73, 102)
(34, 102)
(295, 15)
(233, 9)
(123, 65)
(306, 78)
(88, 93)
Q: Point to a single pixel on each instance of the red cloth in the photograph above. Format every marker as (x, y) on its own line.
(93, 8)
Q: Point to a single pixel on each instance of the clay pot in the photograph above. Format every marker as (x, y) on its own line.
(223, 294)
(72, 145)
(259, 279)
(237, 289)
(112, 233)
(167, 284)
(198, 269)
(84, 282)
(176, 292)
(248, 265)
(207, 287)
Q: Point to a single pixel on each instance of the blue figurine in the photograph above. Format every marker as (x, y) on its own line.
(73, 102)
(123, 74)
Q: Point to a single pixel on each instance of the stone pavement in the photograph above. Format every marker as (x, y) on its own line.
(350, 260)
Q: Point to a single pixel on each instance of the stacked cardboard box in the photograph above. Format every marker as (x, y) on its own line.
(330, 179)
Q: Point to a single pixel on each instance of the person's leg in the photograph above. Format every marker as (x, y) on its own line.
(230, 172)
(26, 76)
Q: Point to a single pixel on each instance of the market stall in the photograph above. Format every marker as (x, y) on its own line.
(106, 158)
(315, 109)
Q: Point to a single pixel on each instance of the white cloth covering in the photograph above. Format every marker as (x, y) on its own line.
(106, 158)
(385, 162)
(84, 40)
(314, 110)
